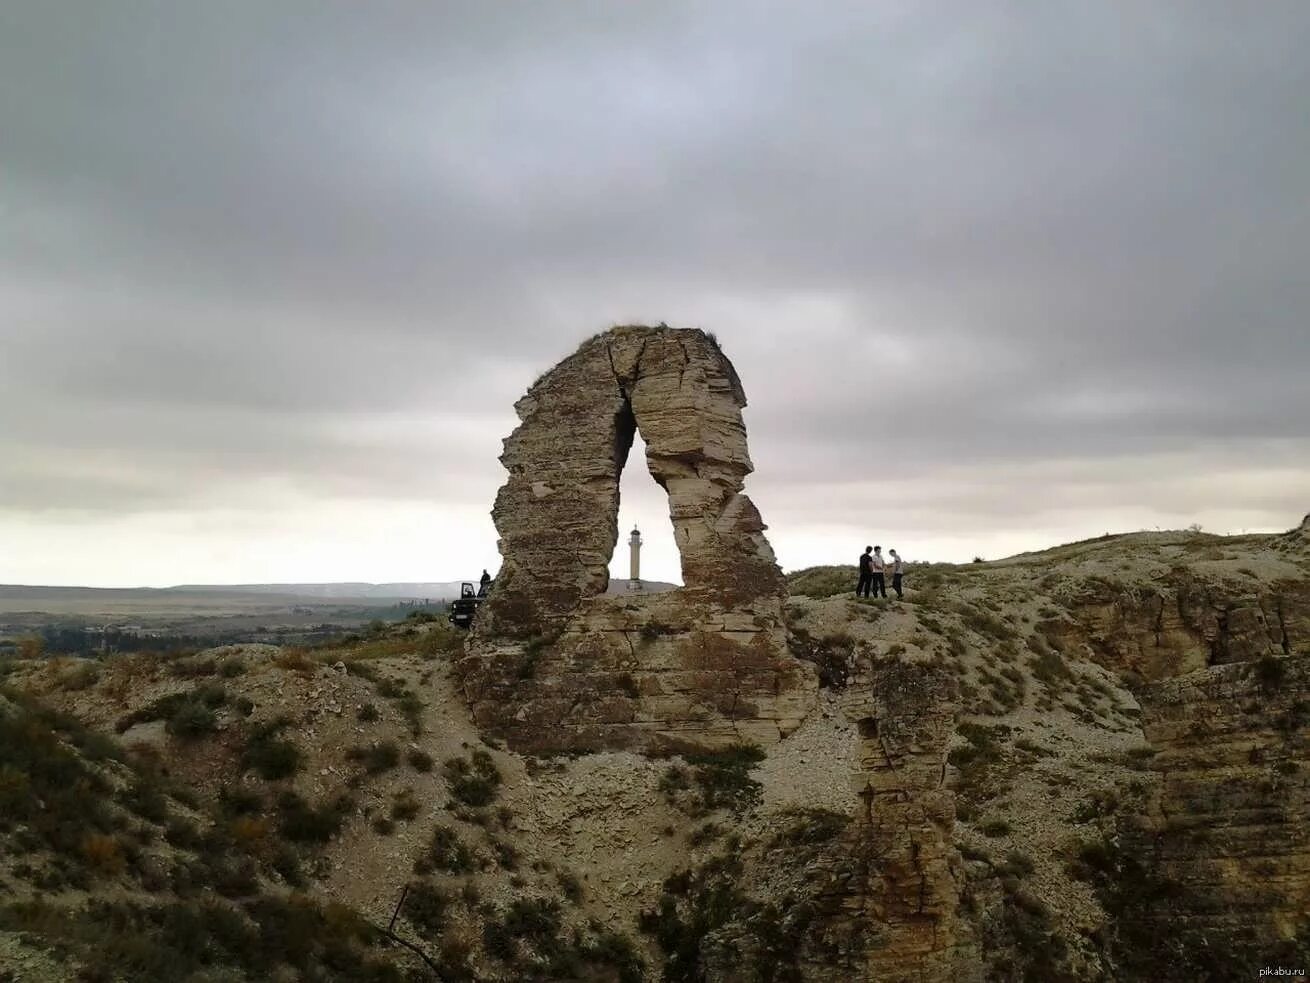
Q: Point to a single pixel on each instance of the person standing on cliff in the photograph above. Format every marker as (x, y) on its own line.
(898, 569)
(879, 572)
(866, 572)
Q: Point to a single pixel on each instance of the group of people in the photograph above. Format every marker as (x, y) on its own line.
(873, 572)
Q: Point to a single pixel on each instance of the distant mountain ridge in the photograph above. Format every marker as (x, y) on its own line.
(329, 592)
(344, 591)
(434, 590)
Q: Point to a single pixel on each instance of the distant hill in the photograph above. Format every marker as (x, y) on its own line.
(40, 597)
(405, 591)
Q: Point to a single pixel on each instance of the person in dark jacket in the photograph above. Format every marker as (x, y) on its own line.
(866, 572)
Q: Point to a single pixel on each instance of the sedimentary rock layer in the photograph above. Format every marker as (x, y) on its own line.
(1184, 623)
(909, 871)
(1233, 831)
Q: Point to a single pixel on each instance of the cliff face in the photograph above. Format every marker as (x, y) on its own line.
(1210, 874)
(908, 875)
(1181, 622)
(553, 664)
(1227, 845)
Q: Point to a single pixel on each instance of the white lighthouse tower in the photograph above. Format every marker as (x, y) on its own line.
(634, 569)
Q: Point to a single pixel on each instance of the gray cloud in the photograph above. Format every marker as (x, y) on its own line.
(329, 244)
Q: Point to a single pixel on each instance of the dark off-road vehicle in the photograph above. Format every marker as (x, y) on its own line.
(463, 608)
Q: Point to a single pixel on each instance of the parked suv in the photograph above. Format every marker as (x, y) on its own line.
(463, 608)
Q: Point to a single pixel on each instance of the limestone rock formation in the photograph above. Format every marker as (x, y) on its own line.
(1184, 623)
(1229, 841)
(553, 664)
(909, 883)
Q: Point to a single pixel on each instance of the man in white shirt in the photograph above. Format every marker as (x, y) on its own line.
(898, 568)
(879, 573)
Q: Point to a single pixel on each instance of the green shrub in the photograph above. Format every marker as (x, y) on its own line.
(1270, 673)
(473, 781)
(809, 827)
(820, 582)
(376, 758)
(419, 760)
(268, 755)
(231, 668)
(1101, 803)
(145, 798)
(259, 939)
(834, 655)
(534, 920)
(302, 823)
(191, 668)
(719, 780)
(1033, 748)
(45, 786)
(234, 802)
(1050, 669)
(696, 904)
(405, 806)
(390, 689)
(411, 708)
(1016, 864)
(1092, 858)
(507, 857)
(535, 648)
(615, 950)
(446, 851)
(425, 908)
(978, 761)
(84, 676)
(984, 623)
(570, 886)
(184, 712)
(191, 720)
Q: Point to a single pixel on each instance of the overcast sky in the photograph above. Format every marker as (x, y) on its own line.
(273, 274)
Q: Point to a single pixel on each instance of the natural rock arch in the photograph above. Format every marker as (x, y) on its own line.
(553, 663)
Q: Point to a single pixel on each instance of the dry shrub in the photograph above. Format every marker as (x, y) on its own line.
(83, 675)
(103, 853)
(250, 832)
(146, 757)
(56, 668)
(124, 674)
(31, 647)
(297, 660)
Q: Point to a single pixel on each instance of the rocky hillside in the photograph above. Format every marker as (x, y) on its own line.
(1083, 764)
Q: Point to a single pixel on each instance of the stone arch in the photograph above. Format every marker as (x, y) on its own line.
(557, 516)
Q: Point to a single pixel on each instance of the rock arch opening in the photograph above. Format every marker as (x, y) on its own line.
(644, 503)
